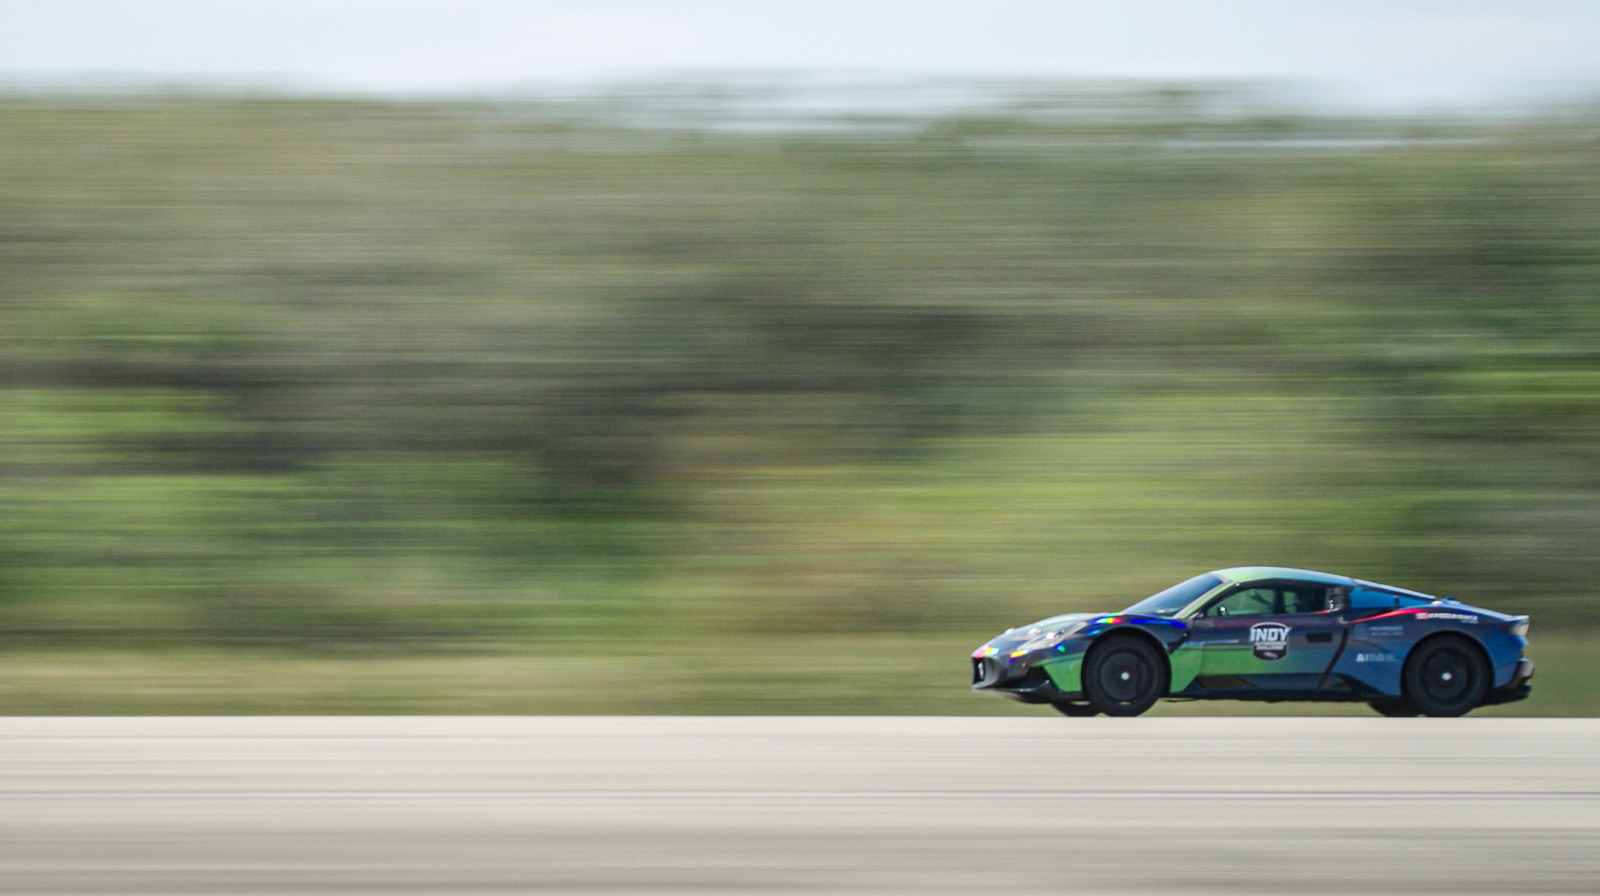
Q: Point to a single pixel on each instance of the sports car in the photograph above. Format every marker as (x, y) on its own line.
(1266, 633)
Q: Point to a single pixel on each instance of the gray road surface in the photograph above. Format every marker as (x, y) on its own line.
(799, 805)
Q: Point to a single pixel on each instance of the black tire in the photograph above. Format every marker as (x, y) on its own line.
(1395, 708)
(1125, 675)
(1447, 676)
(1076, 710)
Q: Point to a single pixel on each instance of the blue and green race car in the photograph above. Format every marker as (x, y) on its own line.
(1266, 633)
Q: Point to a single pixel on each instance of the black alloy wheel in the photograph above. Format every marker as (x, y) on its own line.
(1124, 676)
(1076, 710)
(1446, 676)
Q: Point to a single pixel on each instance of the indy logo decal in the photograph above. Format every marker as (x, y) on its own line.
(1270, 640)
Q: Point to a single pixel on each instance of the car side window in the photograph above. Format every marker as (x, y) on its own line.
(1302, 598)
(1257, 601)
(1276, 599)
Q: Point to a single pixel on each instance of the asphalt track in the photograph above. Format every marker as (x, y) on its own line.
(735, 805)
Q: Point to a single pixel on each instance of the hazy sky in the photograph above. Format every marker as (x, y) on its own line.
(1387, 52)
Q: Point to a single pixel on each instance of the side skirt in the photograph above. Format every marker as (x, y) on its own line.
(1337, 689)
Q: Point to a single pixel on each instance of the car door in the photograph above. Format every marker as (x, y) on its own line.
(1277, 635)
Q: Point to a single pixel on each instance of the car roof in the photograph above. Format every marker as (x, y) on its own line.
(1257, 573)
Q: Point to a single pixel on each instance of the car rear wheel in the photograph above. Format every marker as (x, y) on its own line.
(1124, 676)
(1446, 676)
(1395, 708)
(1077, 710)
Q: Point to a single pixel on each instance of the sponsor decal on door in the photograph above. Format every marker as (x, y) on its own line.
(1270, 640)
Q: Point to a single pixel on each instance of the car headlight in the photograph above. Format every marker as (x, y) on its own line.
(1044, 639)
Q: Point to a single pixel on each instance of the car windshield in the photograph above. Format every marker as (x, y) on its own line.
(1170, 601)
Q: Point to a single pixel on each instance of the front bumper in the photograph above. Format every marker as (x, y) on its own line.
(1021, 681)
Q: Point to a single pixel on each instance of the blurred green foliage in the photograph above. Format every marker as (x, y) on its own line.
(308, 382)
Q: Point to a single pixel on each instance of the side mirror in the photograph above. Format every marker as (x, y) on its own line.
(1339, 599)
(1222, 611)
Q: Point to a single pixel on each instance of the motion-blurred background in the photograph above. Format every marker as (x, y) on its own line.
(761, 392)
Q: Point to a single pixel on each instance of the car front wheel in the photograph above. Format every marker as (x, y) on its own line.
(1124, 676)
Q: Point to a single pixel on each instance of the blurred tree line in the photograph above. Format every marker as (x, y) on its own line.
(352, 374)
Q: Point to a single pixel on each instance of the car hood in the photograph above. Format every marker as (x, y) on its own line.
(1055, 622)
(1022, 633)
